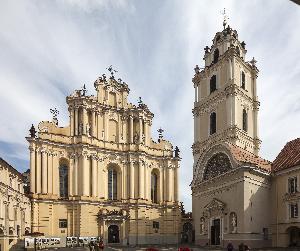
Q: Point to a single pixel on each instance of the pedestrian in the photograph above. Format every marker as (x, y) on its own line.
(247, 248)
(242, 247)
(101, 244)
(229, 247)
(91, 246)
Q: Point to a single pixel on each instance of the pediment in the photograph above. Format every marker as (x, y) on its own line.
(215, 204)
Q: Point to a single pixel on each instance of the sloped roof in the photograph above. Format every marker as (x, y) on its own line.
(288, 157)
(244, 156)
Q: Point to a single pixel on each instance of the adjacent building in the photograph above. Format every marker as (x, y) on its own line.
(231, 183)
(286, 196)
(15, 206)
(103, 174)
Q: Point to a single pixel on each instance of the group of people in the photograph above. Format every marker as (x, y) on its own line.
(96, 245)
(242, 247)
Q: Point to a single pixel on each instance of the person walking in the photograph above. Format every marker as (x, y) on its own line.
(230, 247)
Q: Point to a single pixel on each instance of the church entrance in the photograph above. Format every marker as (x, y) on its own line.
(294, 234)
(113, 234)
(215, 232)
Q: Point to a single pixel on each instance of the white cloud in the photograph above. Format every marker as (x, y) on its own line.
(50, 48)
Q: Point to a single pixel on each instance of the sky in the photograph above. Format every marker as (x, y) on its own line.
(49, 48)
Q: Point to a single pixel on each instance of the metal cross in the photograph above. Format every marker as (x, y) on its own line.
(225, 18)
(160, 132)
(54, 112)
(84, 91)
(111, 70)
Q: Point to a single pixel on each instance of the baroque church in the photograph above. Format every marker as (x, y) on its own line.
(231, 183)
(103, 174)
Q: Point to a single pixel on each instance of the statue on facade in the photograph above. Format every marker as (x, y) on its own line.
(55, 113)
(32, 131)
(88, 129)
(143, 138)
(80, 129)
(233, 223)
(176, 151)
(136, 138)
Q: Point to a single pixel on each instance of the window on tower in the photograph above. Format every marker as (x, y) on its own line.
(216, 56)
(213, 123)
(112, 184)
(245, 120)
(213, 83)
(154, 187)
(63, 181)
(243, 80)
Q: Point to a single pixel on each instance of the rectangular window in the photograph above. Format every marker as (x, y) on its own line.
(63, 223)
(213, 83)
(294, 210)
(292, 184)
(213, 123)
(156, 224)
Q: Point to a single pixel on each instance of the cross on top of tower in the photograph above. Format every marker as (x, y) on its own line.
(112, 71)
(54, 112)
(225, 18)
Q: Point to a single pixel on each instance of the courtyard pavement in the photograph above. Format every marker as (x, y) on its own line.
(167, 249)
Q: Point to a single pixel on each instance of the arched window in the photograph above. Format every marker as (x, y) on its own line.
(213, 83)
(216, 56)
(243, 80)
(217, 165)
(245, 120)
(154, 181)
(213, 123)
(112, 184)
(63, 181)
(238, 51)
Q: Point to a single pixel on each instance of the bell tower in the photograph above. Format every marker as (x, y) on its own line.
(226, 103)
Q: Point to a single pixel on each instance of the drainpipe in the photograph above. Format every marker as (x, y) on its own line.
(276, 214)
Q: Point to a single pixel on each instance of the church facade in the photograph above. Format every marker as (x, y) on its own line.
(231, 183)
(103, 174)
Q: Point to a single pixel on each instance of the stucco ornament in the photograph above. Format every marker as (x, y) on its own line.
(217, 165)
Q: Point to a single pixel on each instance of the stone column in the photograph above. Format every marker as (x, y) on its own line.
(44, 172)
(141, 180)
(38, 180)
(170, 184)
(75, 175)
(131, 129)
(93, 125)
(125, 182)
(161, 186)
(131, 180)
(85, 175)
(105, 122)
(71, 110)
(146, 133)
(50, 174)
(176, 184)
(84, 120)
(146, 185)
(70, 175)
(55, 173)
(140, 130)
(94, 176)
(165, 181)
(76, 121)
(32, 170)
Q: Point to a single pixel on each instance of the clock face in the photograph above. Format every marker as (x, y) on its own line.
(217, 165)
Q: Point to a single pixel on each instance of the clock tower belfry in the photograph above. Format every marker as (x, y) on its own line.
(226, 103)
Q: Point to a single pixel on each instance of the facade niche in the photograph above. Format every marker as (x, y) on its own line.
(232, 222)
(113, 130)
(243, 80)
(245, 120)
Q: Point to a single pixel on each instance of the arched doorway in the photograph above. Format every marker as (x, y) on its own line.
(113, 234)
(294, 236)
(187, 232)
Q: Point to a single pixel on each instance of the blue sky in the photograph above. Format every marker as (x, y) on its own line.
(48, 48)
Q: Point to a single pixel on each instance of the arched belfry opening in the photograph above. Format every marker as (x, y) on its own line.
(216, 55)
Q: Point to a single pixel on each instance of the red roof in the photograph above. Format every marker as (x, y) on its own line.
(244, 156)
(288, 157)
